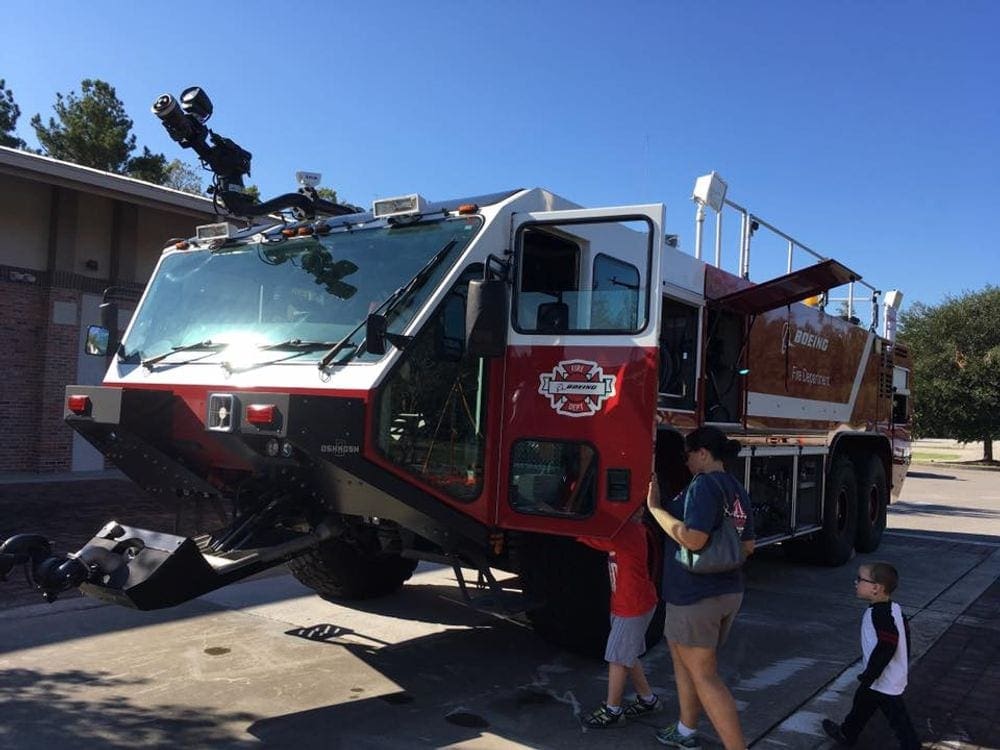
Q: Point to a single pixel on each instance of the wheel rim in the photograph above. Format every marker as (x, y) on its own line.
(842, 510)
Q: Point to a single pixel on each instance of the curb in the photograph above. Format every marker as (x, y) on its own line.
(955, 465)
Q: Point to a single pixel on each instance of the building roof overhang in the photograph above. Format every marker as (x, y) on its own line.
(37, 168)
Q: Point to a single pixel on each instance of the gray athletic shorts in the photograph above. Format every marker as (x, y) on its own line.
(627, 640)
(705, 623)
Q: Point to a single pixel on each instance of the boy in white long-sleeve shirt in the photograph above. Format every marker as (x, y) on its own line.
(885, 642)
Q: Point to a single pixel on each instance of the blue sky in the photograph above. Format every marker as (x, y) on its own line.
(867, 130)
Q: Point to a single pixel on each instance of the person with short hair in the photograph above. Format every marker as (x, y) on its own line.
(633, 603)
(885, 642)
(701, 607)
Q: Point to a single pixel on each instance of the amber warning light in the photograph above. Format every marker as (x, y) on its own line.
(78, 404)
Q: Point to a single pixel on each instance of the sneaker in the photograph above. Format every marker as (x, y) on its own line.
(835, 733)
(638, 707)
(602, 718)
(671, 737)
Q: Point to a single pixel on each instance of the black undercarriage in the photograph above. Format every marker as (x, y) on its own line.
(290, 486)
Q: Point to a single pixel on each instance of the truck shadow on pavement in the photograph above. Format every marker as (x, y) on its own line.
(71, 720)
(527, 696)
(930, 509)
(415, 601)
(930, 475)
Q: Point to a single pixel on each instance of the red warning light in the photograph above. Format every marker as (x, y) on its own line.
(78, 403)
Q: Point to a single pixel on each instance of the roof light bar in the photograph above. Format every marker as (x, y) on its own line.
(208, 232)
(403, 205)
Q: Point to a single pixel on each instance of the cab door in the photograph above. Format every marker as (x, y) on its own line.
(580, 369)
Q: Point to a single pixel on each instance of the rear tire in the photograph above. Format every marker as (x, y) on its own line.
(873, 499)
(352, 566)
(840, 514)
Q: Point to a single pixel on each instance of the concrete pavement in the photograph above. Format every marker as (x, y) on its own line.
(266, 663)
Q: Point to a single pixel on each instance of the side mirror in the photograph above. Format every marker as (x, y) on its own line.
(377, 335)
(109, 315)
(486, 318)
(449, 335)
(98, 341)
(109, 321)
(375, 330)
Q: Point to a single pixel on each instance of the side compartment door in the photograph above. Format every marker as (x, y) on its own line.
(580, 370)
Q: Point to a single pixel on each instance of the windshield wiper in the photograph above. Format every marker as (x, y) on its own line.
(297, 347)
(297, 344)
(344, 343)
(420, 277)
(207, 344)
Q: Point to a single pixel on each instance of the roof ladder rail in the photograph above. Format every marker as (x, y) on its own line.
(710, 191)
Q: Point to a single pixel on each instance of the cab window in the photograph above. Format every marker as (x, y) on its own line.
(583, 277)
(432, 409)
(553, 478)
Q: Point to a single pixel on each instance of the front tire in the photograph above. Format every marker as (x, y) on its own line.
(567, 582)
(840, 514)
(352, 566)
(873, 500)
(568, 586)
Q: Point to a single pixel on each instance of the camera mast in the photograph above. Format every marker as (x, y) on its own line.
(228, 162)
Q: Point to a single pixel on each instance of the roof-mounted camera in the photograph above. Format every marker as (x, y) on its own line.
(185, 121)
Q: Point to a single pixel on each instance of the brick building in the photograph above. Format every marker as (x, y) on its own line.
(66, 233)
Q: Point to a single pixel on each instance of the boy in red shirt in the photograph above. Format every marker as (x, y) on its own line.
(633, 602)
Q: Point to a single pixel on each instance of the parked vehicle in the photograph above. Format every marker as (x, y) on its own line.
(475, 381)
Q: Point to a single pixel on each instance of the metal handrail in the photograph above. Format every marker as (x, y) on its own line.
(749, 224)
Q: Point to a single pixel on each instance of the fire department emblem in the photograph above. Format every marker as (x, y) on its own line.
(576, 387)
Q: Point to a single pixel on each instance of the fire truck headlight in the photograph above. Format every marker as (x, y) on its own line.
(272, 447)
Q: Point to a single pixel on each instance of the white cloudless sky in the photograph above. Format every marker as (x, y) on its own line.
(870, 131)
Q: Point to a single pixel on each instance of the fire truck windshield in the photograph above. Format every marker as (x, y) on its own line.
(308, 289)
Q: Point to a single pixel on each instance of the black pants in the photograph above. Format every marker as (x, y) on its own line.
(866, 702)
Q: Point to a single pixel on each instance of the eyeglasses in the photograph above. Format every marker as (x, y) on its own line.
(859, 579)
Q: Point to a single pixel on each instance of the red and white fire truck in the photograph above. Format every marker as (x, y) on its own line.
(475, 382)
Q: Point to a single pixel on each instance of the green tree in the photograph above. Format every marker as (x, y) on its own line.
(184, 177)
(92, 128)
(9, 112)
(955, 348)
(327, 194)
(148, 166)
